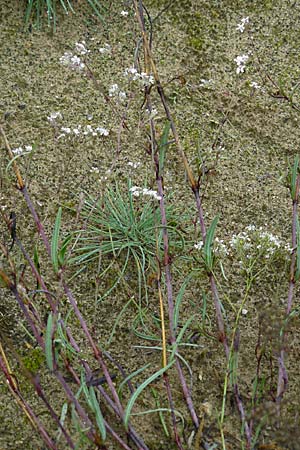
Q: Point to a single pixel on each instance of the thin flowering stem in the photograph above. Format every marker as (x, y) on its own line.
(41, 394)
(38, 336)
(171, 404)
(195, 188)
(96, 350)
(282, 382)
(166, 259)
(73, 302)
(36, 423)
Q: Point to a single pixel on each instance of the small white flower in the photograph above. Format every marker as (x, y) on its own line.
(204, 83)
(134, 165)
(20, 150)
(255, 85)
(132, 73)
(94, 170)
(143, 78)
(113, 89)
(80, 48)
(106, 49)
(72, 61)
(241, 63)
(137, 191)
(241, 26)
(198, 245)
(124, 13)
(152, 113)
(66, 130)
(102, 131)
(122, 95)
(53, 116)
(244, 312)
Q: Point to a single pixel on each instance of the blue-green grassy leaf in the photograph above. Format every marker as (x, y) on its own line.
(95, 6)
(98, 413)
(85, 390)
(179, 299)
(48, 342)
(63, 415)
(208, 246)
(54, 241)
(62, 251)
(294, 178)
(132, 375)
(140, 389)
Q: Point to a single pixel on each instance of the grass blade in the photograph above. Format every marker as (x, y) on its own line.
(98, 413)
(54, 241)
(140, 390)
(48, 342)
(208, 246)
(294, 178)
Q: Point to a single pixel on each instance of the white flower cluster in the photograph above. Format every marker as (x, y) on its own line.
(152, 113)
(54, 116)
(143, 77)
(72, 61)
(241, 26)
(124, 13)
(88, 130)
(95, 170)
(81, 48)
(220, 247)
(22, 151)
(105, 50)
(2, 206)
(115, 91)
(133, 165)
(137, 191)
(256, 240)
(204, 82)
(198, 245)
(241, 63)
(255, 85)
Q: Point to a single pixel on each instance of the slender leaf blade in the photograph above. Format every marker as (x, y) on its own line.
(54, 241)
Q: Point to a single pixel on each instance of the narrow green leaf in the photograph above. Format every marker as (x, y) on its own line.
(98, 413)
(208, 246)
(63, 249)
(85, 390)
(132, 375)
(54, 241)
(48, 342)
(179, 299)
(96, 10)
(140, 390)
(294, 178)
(28, 12)
(62, 419)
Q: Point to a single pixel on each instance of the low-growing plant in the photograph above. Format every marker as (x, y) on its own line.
(124, 228)
(38, 10)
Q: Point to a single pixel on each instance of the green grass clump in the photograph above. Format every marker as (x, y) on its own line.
(47, 8)
(120, 229)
